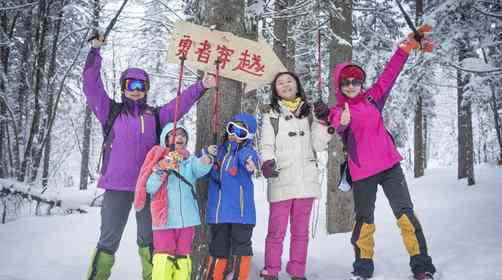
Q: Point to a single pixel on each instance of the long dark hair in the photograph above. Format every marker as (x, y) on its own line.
(274, 102)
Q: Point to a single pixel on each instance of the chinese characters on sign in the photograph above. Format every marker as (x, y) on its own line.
(244, 60)
(247, 62)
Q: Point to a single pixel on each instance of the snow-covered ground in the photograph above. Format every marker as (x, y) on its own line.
(463, 226)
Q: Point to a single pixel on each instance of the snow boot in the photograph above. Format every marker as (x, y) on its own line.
(241, 267)
(215, 268)
(423, 276)
(101, 266)
(163, 267)
(183, 267)
(358, 277)
(265, 276)
(146, 256)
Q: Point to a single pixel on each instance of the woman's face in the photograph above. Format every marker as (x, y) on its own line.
(286, 87)
(135, 94)
(351, 87)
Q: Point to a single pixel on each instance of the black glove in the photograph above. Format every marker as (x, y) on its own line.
(321, 112)
(269, 169)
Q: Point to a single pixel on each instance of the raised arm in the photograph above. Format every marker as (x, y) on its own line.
(188, 98)
(380, 90)
(94, 91)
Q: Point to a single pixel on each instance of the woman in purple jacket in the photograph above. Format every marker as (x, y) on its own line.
(131, 136)
(374, 160)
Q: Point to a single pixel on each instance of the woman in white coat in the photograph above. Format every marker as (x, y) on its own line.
(288, 145)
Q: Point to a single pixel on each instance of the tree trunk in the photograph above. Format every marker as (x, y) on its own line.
(86, 149)
(284, 47)
(86, 141)
(426, 141)
(419, 152)
(39, 65)
(340, 205)
(226, 16)
(21, 109)
(465, 137)
(418, 166)
(496, 118)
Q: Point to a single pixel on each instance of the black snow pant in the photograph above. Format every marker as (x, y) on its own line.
(230, 240)
(396, 190)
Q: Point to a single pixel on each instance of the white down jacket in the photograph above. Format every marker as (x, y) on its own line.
(293, 150)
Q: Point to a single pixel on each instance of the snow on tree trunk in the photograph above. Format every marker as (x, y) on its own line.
(340, 205)
(419, 148)
(465, 137)
(86, 141)
(418, 163)
(284, 46)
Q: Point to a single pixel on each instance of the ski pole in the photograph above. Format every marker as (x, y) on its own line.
(110, 25)
(177, 102)
(216, 105)
(418, 36)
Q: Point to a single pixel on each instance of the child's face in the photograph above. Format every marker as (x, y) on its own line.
(233, 138)
(181, 138)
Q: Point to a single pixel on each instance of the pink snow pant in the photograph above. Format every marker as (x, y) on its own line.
(298, 211)
(174, 242)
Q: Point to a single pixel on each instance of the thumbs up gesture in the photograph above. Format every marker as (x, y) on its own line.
(345, 118)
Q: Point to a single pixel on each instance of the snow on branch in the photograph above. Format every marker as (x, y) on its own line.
(18, 6)
(475, 66)
(486, 13)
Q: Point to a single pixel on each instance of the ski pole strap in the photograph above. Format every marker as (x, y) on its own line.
(184, 180)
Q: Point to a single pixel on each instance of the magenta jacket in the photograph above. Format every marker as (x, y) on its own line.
(370, 147)
(133, 133)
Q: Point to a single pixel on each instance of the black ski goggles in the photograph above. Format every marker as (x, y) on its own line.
(354, 83)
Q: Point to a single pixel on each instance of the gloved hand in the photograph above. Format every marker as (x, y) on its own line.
(425, 44)
(268, 168)
(303, 110)
(97, 41)
(321, 112)
(212, 150)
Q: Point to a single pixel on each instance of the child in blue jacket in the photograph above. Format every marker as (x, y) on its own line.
(170, 183)
(231, 211)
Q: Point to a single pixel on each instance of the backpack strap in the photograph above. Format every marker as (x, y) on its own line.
(372, 101)
(114, 112)
(158, 128)
(184, 180)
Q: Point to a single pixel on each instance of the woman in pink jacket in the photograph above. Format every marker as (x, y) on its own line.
(374, 160)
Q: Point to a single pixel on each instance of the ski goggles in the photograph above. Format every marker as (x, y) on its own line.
(354, 83)
(238, 130)
(179, 131)
(133, 84)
